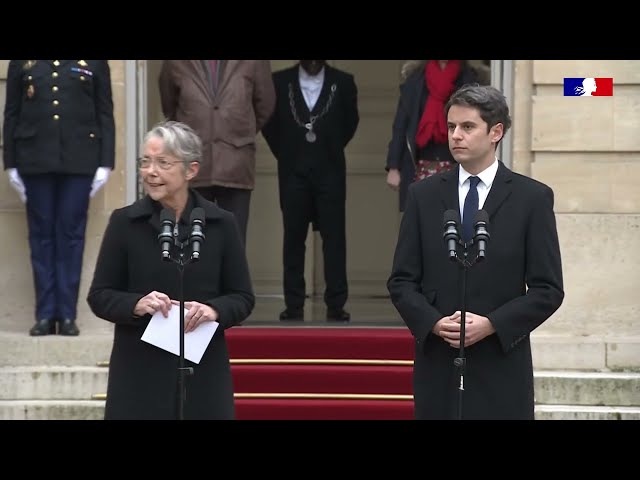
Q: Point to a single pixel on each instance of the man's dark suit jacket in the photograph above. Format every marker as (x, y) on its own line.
(517, 287)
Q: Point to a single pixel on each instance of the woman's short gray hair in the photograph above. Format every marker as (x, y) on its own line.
(180, 140)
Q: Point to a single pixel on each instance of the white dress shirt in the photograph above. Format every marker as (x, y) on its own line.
(311, 85)
(487, 176)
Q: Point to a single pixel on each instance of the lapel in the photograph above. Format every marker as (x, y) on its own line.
(449, 189)
(200, 73)
(225, 70)
(500, 190)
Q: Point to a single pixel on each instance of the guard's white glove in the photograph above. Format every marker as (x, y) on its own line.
(17, 184)
(99, 179)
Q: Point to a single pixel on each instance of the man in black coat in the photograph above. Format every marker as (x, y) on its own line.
(509, 294)
(59, 149)
(316, 116)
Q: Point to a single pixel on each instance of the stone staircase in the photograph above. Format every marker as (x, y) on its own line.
(66, 377)
(52, 377)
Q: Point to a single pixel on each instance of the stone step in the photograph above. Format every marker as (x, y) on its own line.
(22, 350)
(51, 409)
(550, 352)
(587, 388)
(551, 387)
(94, 410)
(584, 412)
(52, 382)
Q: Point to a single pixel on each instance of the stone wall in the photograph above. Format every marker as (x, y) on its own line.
(588, 151)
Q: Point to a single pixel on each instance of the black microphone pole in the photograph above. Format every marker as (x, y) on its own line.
(460, 361)
(195, 239)
(182, 370)
(481, 237)
(165, 214)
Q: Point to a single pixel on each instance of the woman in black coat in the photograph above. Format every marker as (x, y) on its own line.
(419, 133)
(132, 282)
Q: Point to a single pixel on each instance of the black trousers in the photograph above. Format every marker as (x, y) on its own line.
(306, 198)
(235, 200)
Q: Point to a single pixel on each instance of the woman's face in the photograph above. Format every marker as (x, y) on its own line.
(165, 177)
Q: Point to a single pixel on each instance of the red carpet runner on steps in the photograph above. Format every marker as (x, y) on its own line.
(322, 373)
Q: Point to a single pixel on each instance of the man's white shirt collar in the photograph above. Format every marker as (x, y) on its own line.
(486, 176)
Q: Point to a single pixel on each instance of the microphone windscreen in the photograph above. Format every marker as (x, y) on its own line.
(481, 217)
(451, 216)
(167, 215)
(197, 214)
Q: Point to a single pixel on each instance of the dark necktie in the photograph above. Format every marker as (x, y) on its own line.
(470, 208)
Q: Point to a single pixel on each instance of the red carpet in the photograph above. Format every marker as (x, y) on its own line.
(320, 342)
(270, 409)
(321, 373)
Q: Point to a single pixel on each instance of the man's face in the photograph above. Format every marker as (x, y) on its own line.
(470, 143)
(312, 67)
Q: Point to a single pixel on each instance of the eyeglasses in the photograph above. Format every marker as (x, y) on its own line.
(160, 162)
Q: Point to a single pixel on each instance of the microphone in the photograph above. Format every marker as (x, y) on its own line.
(197, 236)
(167, 220)
(451, 232)
(481, 236)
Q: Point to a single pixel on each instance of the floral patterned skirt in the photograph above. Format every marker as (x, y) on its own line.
(426, 168)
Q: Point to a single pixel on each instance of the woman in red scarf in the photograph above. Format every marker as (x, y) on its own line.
(419, 146)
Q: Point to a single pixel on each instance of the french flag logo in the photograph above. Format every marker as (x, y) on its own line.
(588, 87)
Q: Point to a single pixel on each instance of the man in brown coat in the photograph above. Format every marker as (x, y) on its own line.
(226, 102)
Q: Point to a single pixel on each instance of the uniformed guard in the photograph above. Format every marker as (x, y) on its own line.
(59, 149)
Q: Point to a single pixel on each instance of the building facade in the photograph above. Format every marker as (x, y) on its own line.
(586, 149)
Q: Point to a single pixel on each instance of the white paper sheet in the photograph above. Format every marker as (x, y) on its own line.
(165, 333)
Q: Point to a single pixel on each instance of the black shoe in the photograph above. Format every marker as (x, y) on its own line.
(292, 314)
(44, 326)
(68, 327)
(338, 315)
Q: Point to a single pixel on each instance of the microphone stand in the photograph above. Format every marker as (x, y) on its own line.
(460, 361)
(182, 370)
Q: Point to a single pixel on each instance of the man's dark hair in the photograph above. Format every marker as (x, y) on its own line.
(488, 100)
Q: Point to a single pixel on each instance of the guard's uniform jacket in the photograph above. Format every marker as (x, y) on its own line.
(58, 129)
(59, 117)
